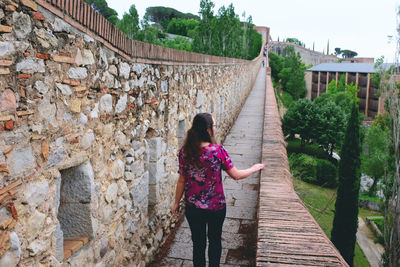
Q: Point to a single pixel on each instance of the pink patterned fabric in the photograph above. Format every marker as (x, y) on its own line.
(203, 185)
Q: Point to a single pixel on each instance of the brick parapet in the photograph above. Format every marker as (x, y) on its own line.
(84, 18)
(287, 232)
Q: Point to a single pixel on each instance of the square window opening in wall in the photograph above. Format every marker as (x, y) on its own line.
(75, 227)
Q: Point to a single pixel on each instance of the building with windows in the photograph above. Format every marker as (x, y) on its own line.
(319, 76)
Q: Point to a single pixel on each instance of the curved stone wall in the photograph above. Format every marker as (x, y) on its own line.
(89, 138)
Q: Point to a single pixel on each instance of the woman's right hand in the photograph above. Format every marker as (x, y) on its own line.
(175, 209)
(258, 166)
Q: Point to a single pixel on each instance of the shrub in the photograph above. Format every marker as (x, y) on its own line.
(294, 146)
(326, 173)
(304, 167)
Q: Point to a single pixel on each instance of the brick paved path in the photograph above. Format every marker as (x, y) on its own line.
(240, 228)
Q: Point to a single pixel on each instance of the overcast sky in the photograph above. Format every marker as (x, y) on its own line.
(359, 25)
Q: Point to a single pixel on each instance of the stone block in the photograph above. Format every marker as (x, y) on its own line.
(41, 87)
(76, 105)
(140, 189)
(87, 57)
(77, 184)
(20, 160)
(60, 25)
(121, 104)
(6, 48)
(156, 171)
(22, 25)
(155, 148)
(75, 220)
(30, 66)
(34, 224)
(111, 193)
(124, 70)
(77, 73)
(35, 193)
(154, 194)
(118, 168)
(8, 101)
(106, 104)
(59, 237)
(56, 158)
(64, 88)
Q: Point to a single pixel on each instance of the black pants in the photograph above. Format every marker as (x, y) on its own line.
(199, 220)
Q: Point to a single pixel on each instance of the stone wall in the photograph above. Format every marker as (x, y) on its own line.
(309, 57)
(89, 138)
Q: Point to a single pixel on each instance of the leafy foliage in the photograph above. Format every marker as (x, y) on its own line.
(345, 223)
(224, 35)
(300, 119)
(295, 41)
(321, 122)
(129, 24)
(288, 72)
(313, 170)
(376, 155)
(101, 6)
(185, 27)
(348, 53)
(163, 15)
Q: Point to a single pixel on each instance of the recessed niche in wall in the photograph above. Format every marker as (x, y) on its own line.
(74, 212)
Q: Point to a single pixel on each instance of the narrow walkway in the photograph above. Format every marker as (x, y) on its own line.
(240, 228)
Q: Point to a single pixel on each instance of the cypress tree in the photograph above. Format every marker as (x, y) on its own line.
(345, 222)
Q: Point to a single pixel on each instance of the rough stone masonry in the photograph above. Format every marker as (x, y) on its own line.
(88, 141)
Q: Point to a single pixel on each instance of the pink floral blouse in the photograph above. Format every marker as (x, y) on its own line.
(203, 185)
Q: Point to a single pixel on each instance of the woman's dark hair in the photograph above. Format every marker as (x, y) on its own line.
(197, 134)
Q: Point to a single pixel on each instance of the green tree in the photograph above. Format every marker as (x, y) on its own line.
(163, 15)
(182, 26)
(375, 156)
(129, 24)
(276, 63)
(329, 126)
(348, 53)
(295, 41)
(178, 42)
(338, 51)
(345, 222)
(292, 74)
(101, 6)
(300, 119)
(389, 88)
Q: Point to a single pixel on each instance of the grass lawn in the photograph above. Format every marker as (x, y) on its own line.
(321, 204)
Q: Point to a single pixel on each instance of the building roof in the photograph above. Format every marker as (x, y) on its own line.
(345, 67)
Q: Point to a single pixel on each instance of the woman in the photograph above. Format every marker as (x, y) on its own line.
(200, 163)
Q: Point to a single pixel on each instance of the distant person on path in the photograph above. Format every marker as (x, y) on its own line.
(200, 163)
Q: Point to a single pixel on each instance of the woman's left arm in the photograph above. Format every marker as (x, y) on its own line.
(180, 186)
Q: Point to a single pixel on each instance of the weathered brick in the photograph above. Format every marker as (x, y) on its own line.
(30, 4)
(63, 59)
(10, 8)
(9, 125)
(38, 16)
(23, 76)
(42, 56)
(79, 88)
(4, 62)
(4, 71)
(5, 28)
(24, 113)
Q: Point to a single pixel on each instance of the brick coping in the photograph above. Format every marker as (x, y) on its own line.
(287, 232)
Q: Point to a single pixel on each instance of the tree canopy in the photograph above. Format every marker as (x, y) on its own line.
(102, 7)
(163, 15)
